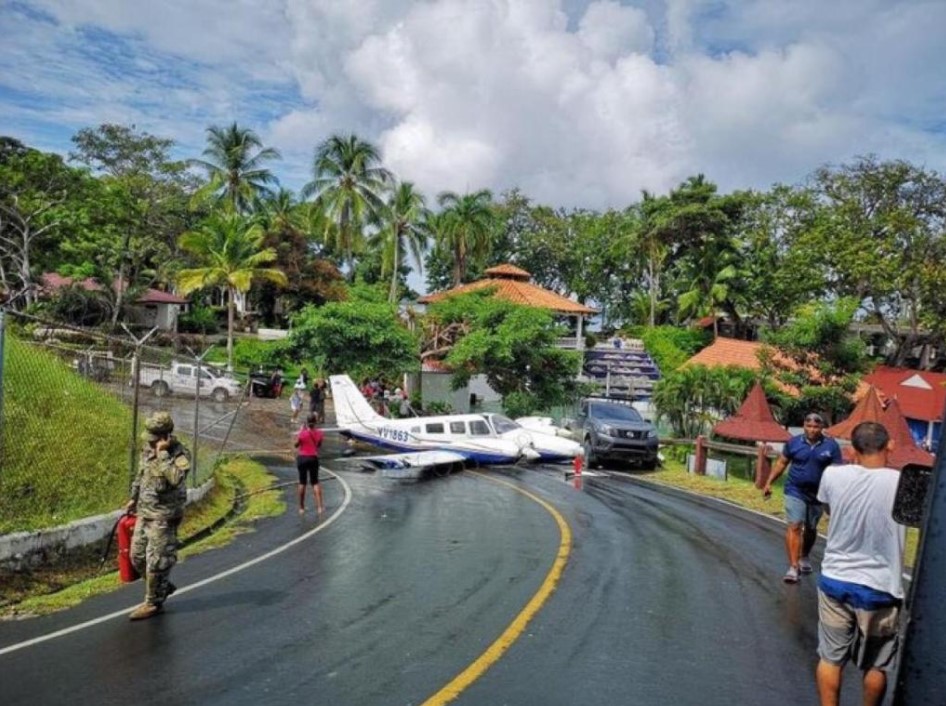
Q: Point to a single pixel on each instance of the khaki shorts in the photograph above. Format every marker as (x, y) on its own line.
(869, 638)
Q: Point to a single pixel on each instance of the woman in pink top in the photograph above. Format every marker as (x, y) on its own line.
(308, 441)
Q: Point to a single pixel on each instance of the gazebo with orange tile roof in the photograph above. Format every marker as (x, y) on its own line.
(513, 284)
(754, 421)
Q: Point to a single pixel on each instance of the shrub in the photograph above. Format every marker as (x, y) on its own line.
(252, 353)
(669, 346)
(439, 407)
(200, 319)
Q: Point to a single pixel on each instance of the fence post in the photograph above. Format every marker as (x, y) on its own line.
(700, 461)
(136, 379)
(200, 361)
(763, 467)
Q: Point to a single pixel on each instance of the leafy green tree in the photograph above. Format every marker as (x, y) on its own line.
(883, 230)
(231, 252)
(140, 207)
(357, 337)
(513, 346)
(466, 229)
(402, 230)
(819, 358)
(693, 398)
(348, 183)
(778, 270)
(40, 201)
(311, 278)
(669, 346)
(234, 159)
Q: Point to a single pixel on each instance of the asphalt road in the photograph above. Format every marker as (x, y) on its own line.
(663, 601)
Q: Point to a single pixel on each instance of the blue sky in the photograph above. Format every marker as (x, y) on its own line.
(578, 103)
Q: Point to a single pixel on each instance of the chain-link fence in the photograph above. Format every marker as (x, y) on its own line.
(72, 403)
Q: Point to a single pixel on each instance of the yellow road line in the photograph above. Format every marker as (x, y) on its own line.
(493, 653)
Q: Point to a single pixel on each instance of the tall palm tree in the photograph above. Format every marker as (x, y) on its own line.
(348, 182)
(234, 160)
(402, 228)
(230, 249)
(467, 229)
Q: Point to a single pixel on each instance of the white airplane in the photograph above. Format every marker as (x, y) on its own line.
(478, 438)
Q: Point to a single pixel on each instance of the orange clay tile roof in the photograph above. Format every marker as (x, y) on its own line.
(509, 270)
(729, 351)
(517, 291)
(745, 354)
(921, 394)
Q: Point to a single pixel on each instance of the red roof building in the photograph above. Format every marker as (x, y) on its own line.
(921, 395)
(153, 307)
(754, 421)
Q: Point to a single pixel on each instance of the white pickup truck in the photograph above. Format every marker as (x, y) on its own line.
(181, 378)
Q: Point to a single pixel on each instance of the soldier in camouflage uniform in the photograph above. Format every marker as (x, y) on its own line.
(157, 498)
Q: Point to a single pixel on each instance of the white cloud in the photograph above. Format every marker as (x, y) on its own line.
(610, 29)
(577, 102)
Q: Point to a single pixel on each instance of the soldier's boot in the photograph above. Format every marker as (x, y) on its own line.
(171, 589)
(144, 611)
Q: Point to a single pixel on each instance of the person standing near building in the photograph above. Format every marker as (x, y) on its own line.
(809, 454)
(158, 496)
(317, 401)
(295, 401)
(860, 590)
(308, 443)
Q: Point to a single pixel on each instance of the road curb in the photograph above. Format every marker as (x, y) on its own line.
(21, 551)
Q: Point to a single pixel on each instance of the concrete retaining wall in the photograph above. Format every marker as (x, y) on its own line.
(24, 550)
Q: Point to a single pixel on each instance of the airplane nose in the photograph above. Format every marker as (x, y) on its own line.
(530, 454)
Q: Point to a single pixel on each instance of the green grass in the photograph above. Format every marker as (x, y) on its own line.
(743, 492)
(58, 589)
(64, 445)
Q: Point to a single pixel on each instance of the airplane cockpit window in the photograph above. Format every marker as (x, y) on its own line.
(479, 427)
(435, 428)
(457, 428)
(502, 424)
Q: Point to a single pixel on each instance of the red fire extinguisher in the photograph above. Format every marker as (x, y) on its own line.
(126, 569)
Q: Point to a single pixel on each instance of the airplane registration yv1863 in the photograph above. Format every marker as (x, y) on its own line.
(474, 438)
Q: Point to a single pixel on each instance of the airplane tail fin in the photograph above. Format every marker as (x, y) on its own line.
(351, 407)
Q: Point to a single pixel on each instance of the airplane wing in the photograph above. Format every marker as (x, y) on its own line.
(413, 465)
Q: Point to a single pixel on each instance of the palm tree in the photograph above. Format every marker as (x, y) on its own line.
(403, 224)
(234, 159)
(230, 248)
(467, 228)
(348, 182)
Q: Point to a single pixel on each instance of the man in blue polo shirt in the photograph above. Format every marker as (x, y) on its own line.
(809, 454)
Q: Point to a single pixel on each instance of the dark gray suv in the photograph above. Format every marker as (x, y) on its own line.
(612, 430)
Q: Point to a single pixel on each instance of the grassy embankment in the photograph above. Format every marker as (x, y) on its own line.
(65, 443)
(65, 457)
(742, 492)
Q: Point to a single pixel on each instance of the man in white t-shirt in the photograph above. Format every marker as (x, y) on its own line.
(861, 588)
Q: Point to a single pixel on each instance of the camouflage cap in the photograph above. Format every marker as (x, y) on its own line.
(159, 423)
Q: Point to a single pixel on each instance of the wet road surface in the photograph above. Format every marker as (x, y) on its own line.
(663, 601)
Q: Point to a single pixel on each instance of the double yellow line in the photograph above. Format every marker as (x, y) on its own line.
(493, 653)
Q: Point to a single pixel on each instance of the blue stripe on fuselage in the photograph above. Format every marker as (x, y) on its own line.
(478, 456)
